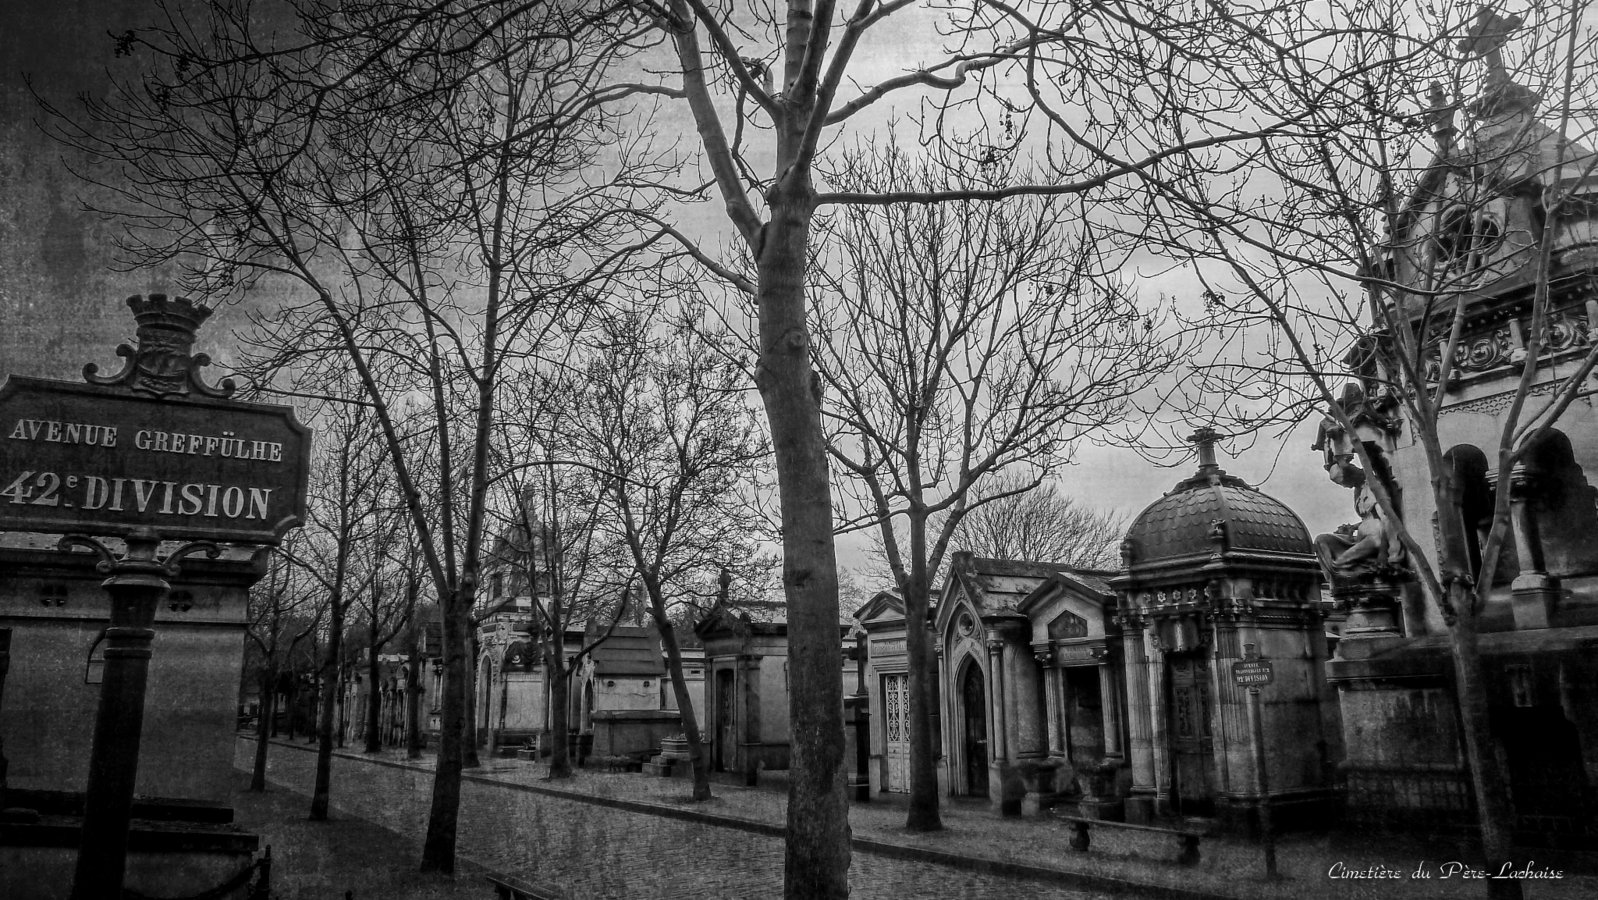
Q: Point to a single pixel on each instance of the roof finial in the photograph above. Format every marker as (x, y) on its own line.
(1204, 438)
(1485, 41)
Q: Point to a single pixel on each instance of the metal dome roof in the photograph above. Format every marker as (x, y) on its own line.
(1187, 521)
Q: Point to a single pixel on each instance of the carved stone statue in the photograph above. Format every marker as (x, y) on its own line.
(1355, 553)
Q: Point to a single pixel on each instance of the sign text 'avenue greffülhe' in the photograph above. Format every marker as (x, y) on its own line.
(142, 450)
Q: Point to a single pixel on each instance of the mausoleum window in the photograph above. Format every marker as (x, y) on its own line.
(1462, 245)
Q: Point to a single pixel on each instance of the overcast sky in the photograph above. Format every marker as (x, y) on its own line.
(66, 48)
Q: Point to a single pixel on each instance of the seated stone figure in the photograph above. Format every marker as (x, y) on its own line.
(1354, 554)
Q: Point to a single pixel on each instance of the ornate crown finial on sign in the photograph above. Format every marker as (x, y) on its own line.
(163, 363)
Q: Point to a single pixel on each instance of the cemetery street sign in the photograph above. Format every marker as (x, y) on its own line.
(91, 460)
(1249, 672)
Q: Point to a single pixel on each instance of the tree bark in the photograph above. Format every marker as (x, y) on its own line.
(438, 849)
(923, 814)
(374, 706)
(326, 711)
(559, 715)
(469, 757)
(264, 729)
(685, 703)
(1495, 812)
(816, 864)
(413, 706)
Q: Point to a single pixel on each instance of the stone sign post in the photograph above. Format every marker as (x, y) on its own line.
(148, 455)
(1252, 672)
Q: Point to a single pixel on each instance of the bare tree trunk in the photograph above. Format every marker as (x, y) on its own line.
(469, 757)
(816, 864)
(341, 717)
(685, 703)
(559, 717)
(374, 710)
(264, 729)
(923, 814)
(293, 698)
(438, 850)
(413, 708)
(314, 714)
(1490, 784)
(324, 730)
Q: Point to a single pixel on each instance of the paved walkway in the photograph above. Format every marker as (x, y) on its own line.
(633, 836)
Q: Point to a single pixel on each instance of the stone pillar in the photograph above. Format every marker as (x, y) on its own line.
(1053, 705)
(1140, 743)
(1158, 738)
(1534, 592)
(1062, 718)
(1110, 708)
(998, 748)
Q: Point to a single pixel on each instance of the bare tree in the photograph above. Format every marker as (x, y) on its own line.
(790, 80)
(1363, 269)
(278, 624)
(957, 343)
(677, 452)
(788, 75)
(344, 535)
(428, 180)
(574, 574)
(1040, 523)
(390, 605)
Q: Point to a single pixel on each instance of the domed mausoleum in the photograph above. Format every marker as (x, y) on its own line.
(1212, 574)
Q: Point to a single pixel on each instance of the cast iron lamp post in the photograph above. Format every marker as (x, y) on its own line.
(137, 584)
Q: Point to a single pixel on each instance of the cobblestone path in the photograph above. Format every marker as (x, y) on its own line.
(594, 851)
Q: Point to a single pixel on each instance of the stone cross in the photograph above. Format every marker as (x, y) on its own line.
(1486, 40)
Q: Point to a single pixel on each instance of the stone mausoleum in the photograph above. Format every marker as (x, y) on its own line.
(1499, 195)
(1113, 690)
(1209, 569)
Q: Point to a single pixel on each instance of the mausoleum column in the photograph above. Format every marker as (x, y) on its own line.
(1053, 704)
(1110, 707)
(999, 742)
(1534, 591)
(1139, 721)
(1157, 728)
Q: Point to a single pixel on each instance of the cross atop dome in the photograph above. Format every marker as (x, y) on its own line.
(1204, 438)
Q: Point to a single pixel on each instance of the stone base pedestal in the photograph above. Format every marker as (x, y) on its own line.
(1139, 809)
(1533, 600)
(1372, 625)
(659, 766)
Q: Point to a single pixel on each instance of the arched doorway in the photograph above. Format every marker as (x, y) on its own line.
(974, 730)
